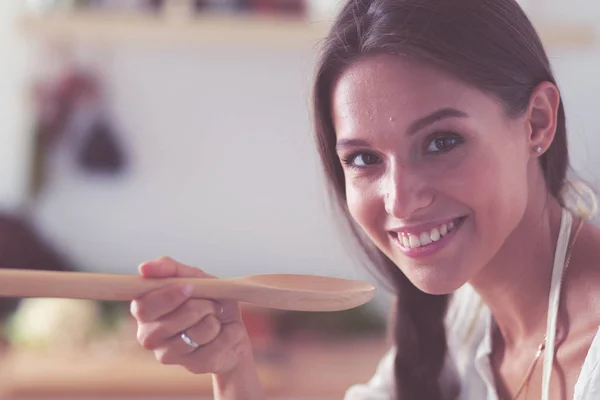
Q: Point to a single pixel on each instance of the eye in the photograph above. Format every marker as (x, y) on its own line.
(361, 160)
(442, 144)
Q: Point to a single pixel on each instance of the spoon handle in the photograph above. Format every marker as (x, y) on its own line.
(95, 286)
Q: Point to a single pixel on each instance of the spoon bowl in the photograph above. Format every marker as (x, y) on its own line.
(308, 283)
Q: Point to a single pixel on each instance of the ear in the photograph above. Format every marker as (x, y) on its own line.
(541, 117)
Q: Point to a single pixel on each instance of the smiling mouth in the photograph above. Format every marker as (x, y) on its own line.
(427, 238)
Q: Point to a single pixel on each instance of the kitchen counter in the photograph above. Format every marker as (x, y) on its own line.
(304, 370)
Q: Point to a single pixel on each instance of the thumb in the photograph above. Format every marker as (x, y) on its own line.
(165, 267)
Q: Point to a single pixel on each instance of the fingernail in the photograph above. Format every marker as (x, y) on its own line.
(187, 290)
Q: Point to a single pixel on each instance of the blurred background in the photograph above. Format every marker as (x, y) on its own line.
(135, 129)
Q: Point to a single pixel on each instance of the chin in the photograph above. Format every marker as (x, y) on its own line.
(432, 281)
(438, 289)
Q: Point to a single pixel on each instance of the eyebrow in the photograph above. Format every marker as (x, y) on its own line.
(415, 127)
(434, 117)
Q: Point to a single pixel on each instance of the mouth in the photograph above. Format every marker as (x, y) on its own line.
(428, 241)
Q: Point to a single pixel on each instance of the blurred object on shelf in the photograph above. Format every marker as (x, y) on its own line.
(284, 7)
(44, 6)
(181, 8)
(218, 5)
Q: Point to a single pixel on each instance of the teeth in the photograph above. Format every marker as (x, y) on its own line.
(425, 238)
(405, 241)
(414, 242)
(443, 229)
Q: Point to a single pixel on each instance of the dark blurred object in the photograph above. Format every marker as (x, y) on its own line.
(4, 345)
(101, 151)
(21, 247)
(112, 5)
(356, 322)
(217, 5)
(287, 7)
(155, 5)
(259, 323)
(70, 107)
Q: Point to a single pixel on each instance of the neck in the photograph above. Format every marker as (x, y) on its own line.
(516, 283)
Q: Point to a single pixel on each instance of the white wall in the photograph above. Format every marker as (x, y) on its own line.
(14, 126)
(579, 81)
(578, 78)
(224, 173)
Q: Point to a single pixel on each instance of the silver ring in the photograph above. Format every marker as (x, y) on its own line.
(189, 341)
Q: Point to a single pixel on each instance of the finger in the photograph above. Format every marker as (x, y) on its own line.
(160, 302)
(165, 267)
(220, 354)
(176, 349)
(154, 334)
(229, 311)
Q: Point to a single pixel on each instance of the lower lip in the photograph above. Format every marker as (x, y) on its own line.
(431, 248)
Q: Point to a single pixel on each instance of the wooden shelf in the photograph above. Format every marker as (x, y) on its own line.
(211, 29)
(215, 29)
(569, 35)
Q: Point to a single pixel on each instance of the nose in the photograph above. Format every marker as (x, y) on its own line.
(406, 192)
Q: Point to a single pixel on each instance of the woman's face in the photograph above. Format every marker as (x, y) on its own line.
(435, 170)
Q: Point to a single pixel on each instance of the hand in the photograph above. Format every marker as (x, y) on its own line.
(165, 313)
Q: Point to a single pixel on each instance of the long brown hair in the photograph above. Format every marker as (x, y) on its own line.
(489, 44)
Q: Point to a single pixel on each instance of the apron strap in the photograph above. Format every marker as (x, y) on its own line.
(554, 299)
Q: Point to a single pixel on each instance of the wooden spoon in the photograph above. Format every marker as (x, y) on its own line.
(281, 291)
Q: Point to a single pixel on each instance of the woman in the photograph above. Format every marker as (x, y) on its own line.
(443, 137)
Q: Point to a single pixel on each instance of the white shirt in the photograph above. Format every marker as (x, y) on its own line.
(469, 327)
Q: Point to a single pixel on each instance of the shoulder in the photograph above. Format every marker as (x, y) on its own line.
(465, 325)
(381, 384)
(588, 384)
(466, 312)
(464, 299)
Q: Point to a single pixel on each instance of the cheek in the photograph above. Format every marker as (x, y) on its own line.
(507, 183)
(495, 187)
(366, 207)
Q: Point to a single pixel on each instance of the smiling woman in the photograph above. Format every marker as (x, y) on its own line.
(442, 133)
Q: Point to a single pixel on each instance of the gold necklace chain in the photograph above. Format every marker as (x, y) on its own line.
(542, 345)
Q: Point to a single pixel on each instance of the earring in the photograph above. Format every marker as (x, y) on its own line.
(538, 149)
